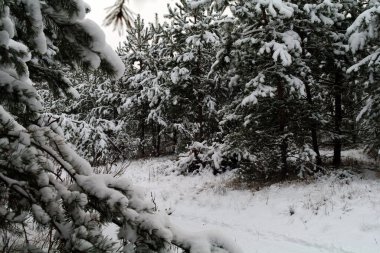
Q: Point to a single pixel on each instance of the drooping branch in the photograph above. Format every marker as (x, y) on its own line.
(19, 188)
(119, 15)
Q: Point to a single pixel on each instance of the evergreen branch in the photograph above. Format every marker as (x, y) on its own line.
(119, 15)
(19, 189)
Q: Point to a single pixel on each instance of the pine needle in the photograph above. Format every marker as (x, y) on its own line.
(119, 15)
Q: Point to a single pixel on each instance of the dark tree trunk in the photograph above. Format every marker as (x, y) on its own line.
(282, 126)
(154, 140)
(142, 137)
(158, 144)
(284, 156)
(175, 141)
(313, 123)
(338, 116)
(200, 121)
(313, 128)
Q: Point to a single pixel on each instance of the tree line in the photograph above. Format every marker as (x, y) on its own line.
(259, 86)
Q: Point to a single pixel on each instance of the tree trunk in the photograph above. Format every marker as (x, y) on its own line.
(158, 144)
(313, 124)
(313, 128)
(175, 141)
(282, 126)
(200, 122)
(142, 137)
(154, 140)
(338, 116)
(284, 156)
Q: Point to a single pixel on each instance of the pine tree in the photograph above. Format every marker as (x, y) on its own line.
(169, 66)
(338, 91)
(363, 41)
(91, 123)
(146, 92)
(265, 82)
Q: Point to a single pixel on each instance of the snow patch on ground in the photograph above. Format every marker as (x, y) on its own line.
(339, 213)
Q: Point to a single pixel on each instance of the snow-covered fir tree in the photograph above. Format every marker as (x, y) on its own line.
(263, 58)
(91, 123)
(144, 85)
(193, 31)
(363, 42)
(169, 66)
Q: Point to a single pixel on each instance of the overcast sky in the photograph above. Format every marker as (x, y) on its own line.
(146, 8)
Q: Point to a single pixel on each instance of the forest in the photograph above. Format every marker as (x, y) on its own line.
(257, 89)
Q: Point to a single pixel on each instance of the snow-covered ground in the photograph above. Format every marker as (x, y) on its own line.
(334, 214)
(351, 157)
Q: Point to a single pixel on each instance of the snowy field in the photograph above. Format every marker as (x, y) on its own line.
(334, 214)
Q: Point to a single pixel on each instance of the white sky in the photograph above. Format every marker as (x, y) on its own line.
(146, 8)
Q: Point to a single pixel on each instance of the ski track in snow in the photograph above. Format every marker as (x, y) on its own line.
(330, 215)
